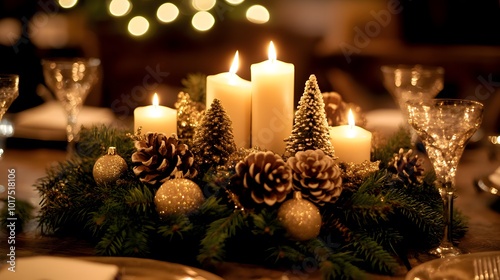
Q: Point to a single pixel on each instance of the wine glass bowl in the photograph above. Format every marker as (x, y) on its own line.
(9, 91)
(412, 82)
(71, 80)
(444, 126)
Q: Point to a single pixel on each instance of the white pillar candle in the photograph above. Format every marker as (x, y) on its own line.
(351, 143)
(272, 102)
(235, 96)
(155, 118)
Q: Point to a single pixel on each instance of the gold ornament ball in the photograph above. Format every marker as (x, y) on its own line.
(108, 168)
(300, 218)
(178, 196)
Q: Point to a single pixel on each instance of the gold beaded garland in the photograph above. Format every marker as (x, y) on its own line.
(300, 218)
(178, 196)
(108, 168)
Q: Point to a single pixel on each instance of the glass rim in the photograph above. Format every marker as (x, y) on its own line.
(444, 100)
(8, 76)
(92, 61)
(391, 68)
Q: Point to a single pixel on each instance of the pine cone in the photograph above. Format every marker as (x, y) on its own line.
(158, 158)
(261, 178)
(316, 175)
(337, 110)
(406, 167)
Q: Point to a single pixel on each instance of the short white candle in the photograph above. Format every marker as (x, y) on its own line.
(272, 102)
(351, 143)
(155, 118)
(235, 96)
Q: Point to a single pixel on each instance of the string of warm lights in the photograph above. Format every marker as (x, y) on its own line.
(202, 17)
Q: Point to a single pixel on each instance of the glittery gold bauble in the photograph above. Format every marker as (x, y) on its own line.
(300, 218)
(109, 167)
(178, 196)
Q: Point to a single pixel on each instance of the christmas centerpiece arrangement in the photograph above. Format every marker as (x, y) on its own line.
(195, 197)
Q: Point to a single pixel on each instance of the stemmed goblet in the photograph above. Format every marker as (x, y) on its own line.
(71, 80)
(9, 90)
(412, 82)
(444, 126)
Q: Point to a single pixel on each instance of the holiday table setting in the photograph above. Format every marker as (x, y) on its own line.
(249, 186)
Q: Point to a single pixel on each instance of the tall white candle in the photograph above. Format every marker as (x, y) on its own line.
(234, 94)
(350, 142)
(272, 102)
(155, 118)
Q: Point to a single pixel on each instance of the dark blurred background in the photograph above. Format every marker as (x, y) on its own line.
(342, 42)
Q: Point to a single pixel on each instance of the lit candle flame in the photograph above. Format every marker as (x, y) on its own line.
(350, 119)
(156, 102)
(271, 52)
(235, 65)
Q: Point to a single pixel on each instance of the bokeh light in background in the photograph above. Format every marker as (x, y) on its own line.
(119, 8)
(67, 3)
(203, 5)
(235, 2)
(138, 26)
(258, 14)
(203, 21)
(167, 12)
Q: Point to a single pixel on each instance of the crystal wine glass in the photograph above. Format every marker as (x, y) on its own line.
(9, 90)
(445, 126)
(412, 82)
(71, 80)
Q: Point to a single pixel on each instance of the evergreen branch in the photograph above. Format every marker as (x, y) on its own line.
(266, 222)
(341, 266)
(140, 199)
(112, 241)
(22, 213)
(416, 217)
(376, 256)
(177, 225)
(212, 245)
(400, 139)
(367, 205)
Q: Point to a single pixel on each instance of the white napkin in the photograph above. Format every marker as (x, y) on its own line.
(385, 121)
(58, 268)
(48, 121)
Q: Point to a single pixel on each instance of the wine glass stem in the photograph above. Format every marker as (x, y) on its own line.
(71, 132)
(447, 195)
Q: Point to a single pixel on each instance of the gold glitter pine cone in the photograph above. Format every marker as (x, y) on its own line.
(158, 158)
(262, 178)
(316, 176)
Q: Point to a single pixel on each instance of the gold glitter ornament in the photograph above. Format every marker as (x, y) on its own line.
(109, 168)
(300, 218)
(178, 196)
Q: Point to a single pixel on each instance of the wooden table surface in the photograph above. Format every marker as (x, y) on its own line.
(30, 164)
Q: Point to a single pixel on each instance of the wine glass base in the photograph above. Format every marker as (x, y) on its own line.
(446, 251)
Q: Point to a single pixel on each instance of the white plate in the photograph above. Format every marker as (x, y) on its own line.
(454, 268)
(142, 269)
(105, 268)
